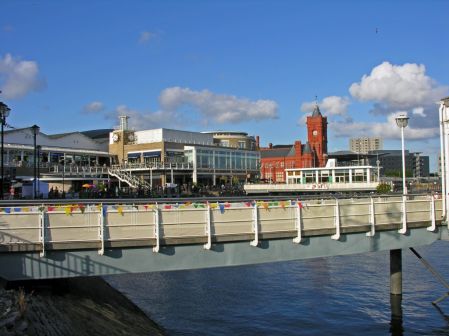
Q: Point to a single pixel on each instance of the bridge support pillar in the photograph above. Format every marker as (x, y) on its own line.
(396, 272)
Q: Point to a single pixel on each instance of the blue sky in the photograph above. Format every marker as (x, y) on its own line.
(253, 66)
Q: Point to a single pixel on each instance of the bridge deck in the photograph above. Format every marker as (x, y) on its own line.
(37, 234)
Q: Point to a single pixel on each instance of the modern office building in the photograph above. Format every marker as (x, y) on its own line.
(365, 144)
(390, 161)
(276, 159)
(162, 156)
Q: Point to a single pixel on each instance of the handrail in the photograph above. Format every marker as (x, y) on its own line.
(39, 227)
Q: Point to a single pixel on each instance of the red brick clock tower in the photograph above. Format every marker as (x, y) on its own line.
(317, 136)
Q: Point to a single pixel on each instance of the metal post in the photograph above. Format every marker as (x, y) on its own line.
(442, 159)
(403, 162)
(2, 155)
(4, 112)
(34, 166)
(396, 272)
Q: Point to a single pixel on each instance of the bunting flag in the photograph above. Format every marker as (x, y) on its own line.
(265, 205)
(104, 210)
(300, 205)
(135, 206)
(282, 203)
(187, 203)
(222, 208)
(26, 209)
(82, 207)
(145, 206)
(17, 210)
(167, 207)
(7, 210)
(99, 207)
(292, 202)
(120, 210)
(68, 210)
(248, 204)
(199, 205)
(259, 203)
(51, 208)
(213, 205)
(41, 208)
(227, 205)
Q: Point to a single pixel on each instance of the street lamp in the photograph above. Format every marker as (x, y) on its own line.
(39, 148)
(4, 112)
(402, 122)
(35, 130)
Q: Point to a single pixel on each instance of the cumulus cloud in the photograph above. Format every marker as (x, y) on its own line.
(18, 78)
(94, 107)
(146, 36)
(332, 105)
(147, 120)
(217, 108)
(386, 130)
(394, 87)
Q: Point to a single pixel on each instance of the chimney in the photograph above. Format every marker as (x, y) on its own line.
(257, 142)
(270, 145)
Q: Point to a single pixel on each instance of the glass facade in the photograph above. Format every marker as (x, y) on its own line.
(222, 159)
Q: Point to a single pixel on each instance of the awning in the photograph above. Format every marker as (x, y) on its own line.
(134, 155)
(151, 154)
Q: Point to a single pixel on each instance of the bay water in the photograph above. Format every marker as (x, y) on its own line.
(342, 295)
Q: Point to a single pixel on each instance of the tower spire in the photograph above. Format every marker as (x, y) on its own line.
(316, 110)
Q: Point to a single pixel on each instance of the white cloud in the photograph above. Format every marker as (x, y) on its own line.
(94, 107)
(218, 108)
(18, 78)
(386, 130)
(147, 120)
(398, 87)
(332, 105)
(146, 36)
(419, 111)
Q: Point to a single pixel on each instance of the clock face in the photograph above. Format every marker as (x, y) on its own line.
(115, 137)
(315, 132)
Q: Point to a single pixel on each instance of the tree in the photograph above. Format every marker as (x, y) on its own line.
(383, 188)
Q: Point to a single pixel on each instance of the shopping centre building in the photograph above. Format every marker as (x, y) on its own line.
(166, 156)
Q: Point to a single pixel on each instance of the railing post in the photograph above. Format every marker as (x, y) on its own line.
(403, 230)
(101, 217)
(372, 219)
(336, 236)
(208, 245)
(156, 228)
(432, 227)
(42, 229)
(298, 238)
(255, 242)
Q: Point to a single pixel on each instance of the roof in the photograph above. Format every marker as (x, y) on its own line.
(98, 133)
(276, 152)
(307, 149)
(316, 111)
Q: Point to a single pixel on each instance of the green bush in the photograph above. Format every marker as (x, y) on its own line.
(383, 188)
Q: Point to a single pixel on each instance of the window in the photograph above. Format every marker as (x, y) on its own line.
(224, 143)
(242, 144)
(280, 177)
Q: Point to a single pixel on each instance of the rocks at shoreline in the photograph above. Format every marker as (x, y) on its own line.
(81, 306)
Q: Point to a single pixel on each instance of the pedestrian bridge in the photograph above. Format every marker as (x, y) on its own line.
(93, 239)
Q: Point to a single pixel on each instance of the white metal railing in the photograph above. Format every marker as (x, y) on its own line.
(40, 228)
(155, 166)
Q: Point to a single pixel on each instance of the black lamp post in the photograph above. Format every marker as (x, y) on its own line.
(39, 148)
(35, 129)
(4, 112)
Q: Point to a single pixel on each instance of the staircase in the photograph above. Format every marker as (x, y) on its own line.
(128, 178)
